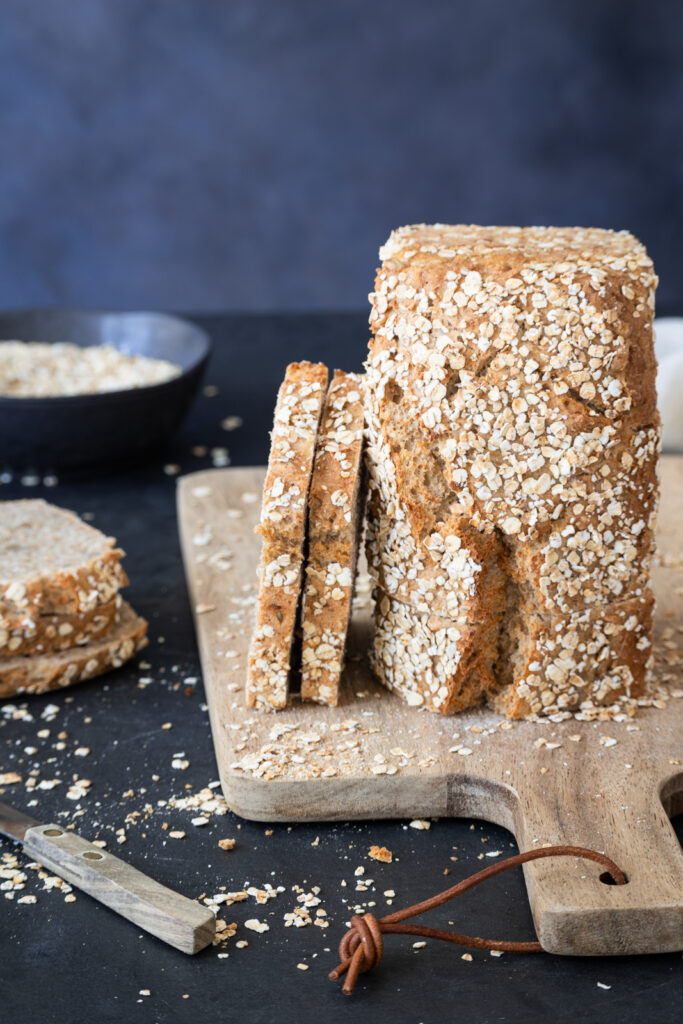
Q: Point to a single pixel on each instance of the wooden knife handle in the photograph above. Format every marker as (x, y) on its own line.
(171, 917)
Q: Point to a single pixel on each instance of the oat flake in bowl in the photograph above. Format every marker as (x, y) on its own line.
(127, 382)
(38, 370)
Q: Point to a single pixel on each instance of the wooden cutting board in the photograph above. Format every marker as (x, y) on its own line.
(606, 785)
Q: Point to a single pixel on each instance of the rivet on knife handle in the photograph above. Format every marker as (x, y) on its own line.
(158, 910)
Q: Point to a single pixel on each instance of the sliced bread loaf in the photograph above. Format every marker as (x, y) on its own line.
(335, 518)
(39, 673)
(52, 563)
(283, 528)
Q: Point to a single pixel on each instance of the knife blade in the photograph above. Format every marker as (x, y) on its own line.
(13, 823)
(175, 919)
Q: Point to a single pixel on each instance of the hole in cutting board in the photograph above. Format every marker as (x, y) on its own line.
(607, 879)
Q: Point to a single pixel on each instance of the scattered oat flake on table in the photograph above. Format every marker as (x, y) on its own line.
(177, 834)
(227, 844)
(419, 945)
(200, 821)
(601, 985)
(380, 853)
(27, 899)
(466, 956)
(607, 741)
(179, 763)
(420, 823)
(302, 967)
(144, 992)
(82, 751)
(231, 422)
(9, 778)
(496, 952)
(254, 925)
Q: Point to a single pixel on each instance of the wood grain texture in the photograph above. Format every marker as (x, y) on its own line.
(309, 763)
(173, 918)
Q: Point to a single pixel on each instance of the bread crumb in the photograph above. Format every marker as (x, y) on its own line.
(254, 925)
(380, 853)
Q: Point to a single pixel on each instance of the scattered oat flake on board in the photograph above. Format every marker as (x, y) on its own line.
(607, 741)
(254, 925)
(380, 853)
(420, 823)
(302, 967)
(9, 778)
(179, 763)
(466, 956)
(602, 985)
(202, 609)
(419, 945)
(177, 834)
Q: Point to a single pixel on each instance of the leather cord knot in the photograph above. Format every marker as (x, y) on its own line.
(362, 946)
(360, 949)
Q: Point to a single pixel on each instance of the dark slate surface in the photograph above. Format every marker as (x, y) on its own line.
(254, 154)
(76, 963)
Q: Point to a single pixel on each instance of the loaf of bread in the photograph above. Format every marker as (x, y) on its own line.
(52, 563)
(283, 528)
(335, 517)
(42, 672)
(512, 452)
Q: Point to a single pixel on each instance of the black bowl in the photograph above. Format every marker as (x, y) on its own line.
(86, 431)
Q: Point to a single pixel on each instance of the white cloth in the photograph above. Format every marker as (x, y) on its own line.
(669, 352)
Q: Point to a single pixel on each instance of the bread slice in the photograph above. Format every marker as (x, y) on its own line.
(283, 528)
(430, 661)
(39, 673)
(335, 517)
(45, 634)
(51, 563)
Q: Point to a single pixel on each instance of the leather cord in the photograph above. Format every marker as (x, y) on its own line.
(362, 946)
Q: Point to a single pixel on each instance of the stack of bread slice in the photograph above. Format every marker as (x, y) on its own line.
(312, 514)
(62, 618)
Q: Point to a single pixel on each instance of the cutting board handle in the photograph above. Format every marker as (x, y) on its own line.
(575, 910)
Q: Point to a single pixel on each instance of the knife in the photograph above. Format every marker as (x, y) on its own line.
(171, 917)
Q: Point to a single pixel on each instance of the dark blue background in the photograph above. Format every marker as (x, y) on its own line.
(253, 155)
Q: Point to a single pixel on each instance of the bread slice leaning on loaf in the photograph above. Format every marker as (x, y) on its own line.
(40, 673)
(335, 518)
(52, 563)
(283, 528)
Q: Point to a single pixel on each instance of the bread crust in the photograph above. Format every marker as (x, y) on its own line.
(335, 510)
(40, 673)
(45, 634)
